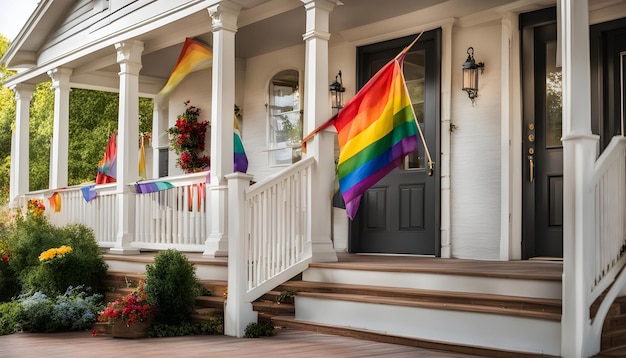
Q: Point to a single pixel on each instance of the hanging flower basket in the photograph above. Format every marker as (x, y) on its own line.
(186, 138)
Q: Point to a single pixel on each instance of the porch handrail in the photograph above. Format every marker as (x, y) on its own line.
(175, 217)
(273, 233)
(609, 188)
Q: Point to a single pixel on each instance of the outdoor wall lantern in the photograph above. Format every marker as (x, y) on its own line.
(336, 92)
(470, 74)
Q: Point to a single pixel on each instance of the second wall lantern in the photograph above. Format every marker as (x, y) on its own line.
(470, 74)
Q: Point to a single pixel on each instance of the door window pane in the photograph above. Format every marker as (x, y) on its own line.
(554, 109)
(285, 118)
(414, 70)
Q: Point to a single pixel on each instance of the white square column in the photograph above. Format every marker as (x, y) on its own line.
(19, 181)
(60, 134)
(129, 59)
(316, 112)
(224, 20)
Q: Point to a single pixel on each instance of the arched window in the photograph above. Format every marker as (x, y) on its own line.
(285, 118)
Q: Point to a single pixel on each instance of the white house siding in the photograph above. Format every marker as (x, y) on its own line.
(475, 148)
(259, 71)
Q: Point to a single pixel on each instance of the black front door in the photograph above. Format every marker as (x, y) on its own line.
(542, 152)
(400, 214)
(608, 74)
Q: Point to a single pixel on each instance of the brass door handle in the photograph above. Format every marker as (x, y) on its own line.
(531, 168)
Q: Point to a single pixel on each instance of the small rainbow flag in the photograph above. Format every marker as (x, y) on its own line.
(376, 129)
(241, 160)
(152, 187)
(193, 57)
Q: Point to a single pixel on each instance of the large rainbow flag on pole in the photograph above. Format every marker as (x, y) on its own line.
(376, 129)
(193, 57)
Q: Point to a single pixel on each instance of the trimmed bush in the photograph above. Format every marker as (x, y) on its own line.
(172, 287)
(84, 265)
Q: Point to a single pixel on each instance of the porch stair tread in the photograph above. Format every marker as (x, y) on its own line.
(476, 302)
(619, 351)
(291, 322)
(478, 308)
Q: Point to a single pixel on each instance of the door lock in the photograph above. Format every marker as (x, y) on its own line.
(531, 138)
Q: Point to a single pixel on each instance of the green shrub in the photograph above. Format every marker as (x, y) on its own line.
(213, 326)
(9, 286)
(172, 287)
(83, 266)
(255, 330)
(10, 313)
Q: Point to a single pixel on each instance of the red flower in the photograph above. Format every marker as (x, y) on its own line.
(5, 258)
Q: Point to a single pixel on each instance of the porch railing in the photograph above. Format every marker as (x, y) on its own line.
(609, 188)
(173, 218)
(98, 214)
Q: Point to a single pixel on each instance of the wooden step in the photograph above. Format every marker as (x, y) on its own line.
(499, 304)
(618, 351)
(292, 323)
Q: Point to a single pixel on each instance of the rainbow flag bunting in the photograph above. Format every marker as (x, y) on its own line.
(193, 57)
(241, 160)
(151, 187)
(55, 202)
(89, 192)
(376, 129)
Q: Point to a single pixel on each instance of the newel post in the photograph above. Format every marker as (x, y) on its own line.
(238, 312)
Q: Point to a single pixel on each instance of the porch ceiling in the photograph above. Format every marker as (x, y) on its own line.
(265, 26)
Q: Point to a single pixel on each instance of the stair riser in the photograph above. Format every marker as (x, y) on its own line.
(475, 329)
(203, 272)
(428, 281)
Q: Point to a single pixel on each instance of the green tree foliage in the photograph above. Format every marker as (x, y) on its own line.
(93, 116)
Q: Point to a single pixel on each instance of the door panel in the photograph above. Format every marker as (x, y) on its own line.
(542, 188)
(400, 213)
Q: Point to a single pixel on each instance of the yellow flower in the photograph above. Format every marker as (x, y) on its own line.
(54, 252)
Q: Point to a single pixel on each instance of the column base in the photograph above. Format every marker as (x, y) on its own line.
(216, 246)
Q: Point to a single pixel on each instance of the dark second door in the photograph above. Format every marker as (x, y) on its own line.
(400, 214)
(542, 153)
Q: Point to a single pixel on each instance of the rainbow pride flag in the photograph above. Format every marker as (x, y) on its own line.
(152, 187)
(376, 129)
(241, 160)
(193, 57)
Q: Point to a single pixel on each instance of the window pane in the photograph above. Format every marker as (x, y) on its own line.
(414, 76)
(554, 111)
(285, 118)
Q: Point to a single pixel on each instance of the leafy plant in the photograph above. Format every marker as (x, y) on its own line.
(213, 326)
(9, 317)
(172, 286)
(285, 296)
(255, 330)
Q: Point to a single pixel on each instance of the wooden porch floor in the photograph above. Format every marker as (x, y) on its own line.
(286, 343)
(550, 270)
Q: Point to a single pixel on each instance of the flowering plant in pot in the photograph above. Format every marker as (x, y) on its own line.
(187, 140)
(129, 311)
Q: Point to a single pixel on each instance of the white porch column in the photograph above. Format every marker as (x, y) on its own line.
(238, 312)
(224, 19)
(129, 59)
(19, 181)
(316, 112)
(60, 134)
(579, 153)
(159, 136)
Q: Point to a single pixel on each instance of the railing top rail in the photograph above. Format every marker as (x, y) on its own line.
(181, 180)
(100, 188)
(266, 183)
